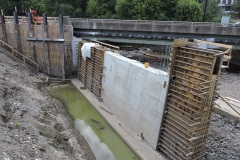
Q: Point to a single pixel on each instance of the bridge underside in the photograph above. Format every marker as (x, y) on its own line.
(154, 36)
(153, 39)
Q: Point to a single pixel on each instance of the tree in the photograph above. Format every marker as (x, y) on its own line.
(212, 11)
(101, 8)
(140, 9)
(124, 9)
(236, 8)
(189, 10)
(170, 10)
(72, 8)
(8, 6)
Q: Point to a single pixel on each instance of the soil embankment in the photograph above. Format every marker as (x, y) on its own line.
(34, 125)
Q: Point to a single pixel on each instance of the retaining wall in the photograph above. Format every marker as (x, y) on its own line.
(47, 53)
(135, 94)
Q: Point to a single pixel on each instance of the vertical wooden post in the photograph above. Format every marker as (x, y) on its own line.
(16, 27)
(32, 48)
(45, 35)
(4, 36)
(63, 47)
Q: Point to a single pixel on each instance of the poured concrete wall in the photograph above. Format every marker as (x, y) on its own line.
(135, 94)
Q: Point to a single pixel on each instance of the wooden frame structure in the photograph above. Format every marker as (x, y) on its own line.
(48, 44)
(90, 71)
(18, 56)
(193, 76)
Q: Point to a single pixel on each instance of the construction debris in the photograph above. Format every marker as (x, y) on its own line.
(228, 107)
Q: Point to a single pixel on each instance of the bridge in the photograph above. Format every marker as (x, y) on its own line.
(147, 29)
(156, 30)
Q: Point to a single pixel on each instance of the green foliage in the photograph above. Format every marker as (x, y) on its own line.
(212, 12)
(124, 9)
(185, 10)
(189, 10)
(170, 10)
(236, 8)
(101, 8)
(72, 8)
(17, 125)
(8, 6)
(140, 9)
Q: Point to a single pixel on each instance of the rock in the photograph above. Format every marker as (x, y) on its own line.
(238, 125)
(58, 127)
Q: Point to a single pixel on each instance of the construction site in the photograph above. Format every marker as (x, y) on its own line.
(68, 97)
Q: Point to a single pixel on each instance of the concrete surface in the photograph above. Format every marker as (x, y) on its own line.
(141, 148)
(75, 42)
(135, 94)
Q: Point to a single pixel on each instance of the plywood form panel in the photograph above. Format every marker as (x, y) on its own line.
(39, 46)
(188, 110)
(11, 37)
(90, 71)
(25, 45)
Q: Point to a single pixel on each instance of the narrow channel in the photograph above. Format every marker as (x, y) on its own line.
(105, 143)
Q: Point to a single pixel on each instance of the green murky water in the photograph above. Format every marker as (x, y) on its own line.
(105, 143)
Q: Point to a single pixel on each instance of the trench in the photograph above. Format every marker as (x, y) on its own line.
(105, 143)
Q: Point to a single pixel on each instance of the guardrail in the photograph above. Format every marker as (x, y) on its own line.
(14, 53)
(150, 22)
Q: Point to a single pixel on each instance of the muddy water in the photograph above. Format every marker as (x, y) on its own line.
(105, 143)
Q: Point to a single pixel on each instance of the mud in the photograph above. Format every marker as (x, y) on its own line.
(34, 125)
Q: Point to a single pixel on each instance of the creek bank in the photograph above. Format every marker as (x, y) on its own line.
(34, 125)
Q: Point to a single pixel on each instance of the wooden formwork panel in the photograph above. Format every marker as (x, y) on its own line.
(55, 58)
(68, 58)
(11, 36)
(1, 33)
(37, 31)
(188, 108)
(53, 31)
(49, 55)
(40, 55)
(25, 45)
(90, 71)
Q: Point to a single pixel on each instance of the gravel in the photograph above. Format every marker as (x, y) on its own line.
(223, 142)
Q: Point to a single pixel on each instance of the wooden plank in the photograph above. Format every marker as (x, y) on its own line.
(16, 28)
(45, 35)
(213, 44)
(4, 36)
(62, 47)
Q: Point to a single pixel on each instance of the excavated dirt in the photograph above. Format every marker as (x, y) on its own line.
(34, 125)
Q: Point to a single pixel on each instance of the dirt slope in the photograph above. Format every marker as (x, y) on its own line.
(32, 124)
